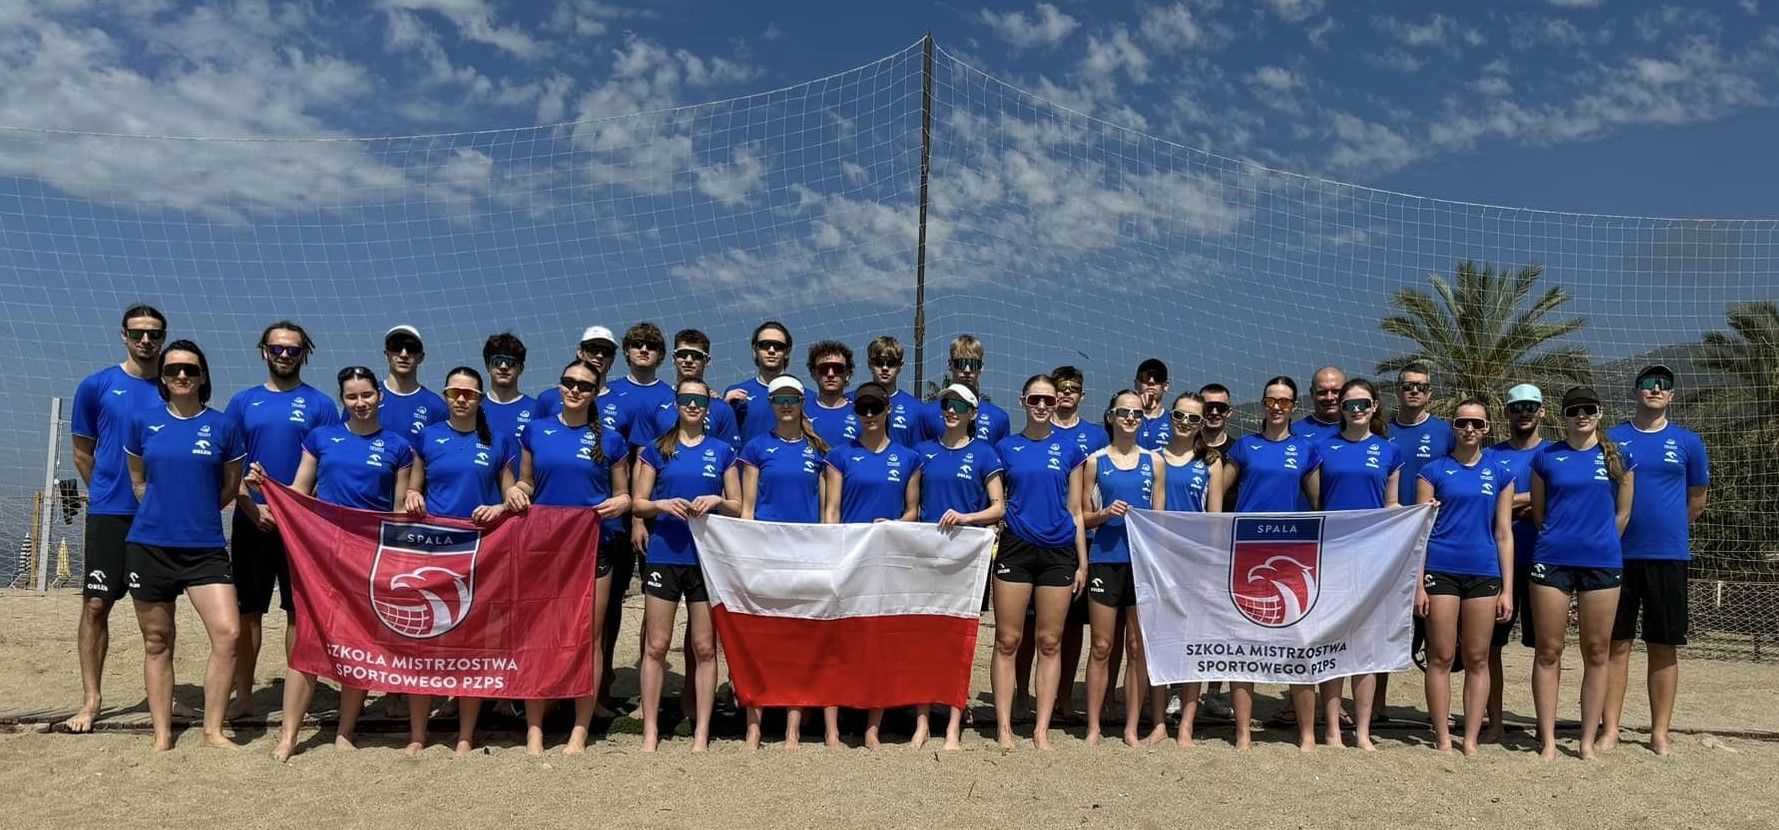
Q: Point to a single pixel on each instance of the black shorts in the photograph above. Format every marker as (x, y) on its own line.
(258, 560)
(1522, 611)
(609, 553)
(1462, 586)
(674, 582)
(106, 577)
(1023, 562)
(1111, 584)
(1657, 588)
(1570, 579)
(161, 574)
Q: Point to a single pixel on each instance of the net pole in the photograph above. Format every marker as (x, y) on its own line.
(49, 491)
(920, 253)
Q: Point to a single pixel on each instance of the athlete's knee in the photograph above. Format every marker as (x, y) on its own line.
(1439, 658)
(655, 647)
(1008, 642)
(96, 610)
(1549, 654)
(157, 641)
(704, 649)
(1050, 644)
(1476, 659)
(1595, 653)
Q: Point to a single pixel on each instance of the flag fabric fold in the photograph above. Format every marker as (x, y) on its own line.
(860, 615)
(441, 606)
(1277, 598)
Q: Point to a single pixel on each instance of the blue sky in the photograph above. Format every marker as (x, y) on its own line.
(1094, 199)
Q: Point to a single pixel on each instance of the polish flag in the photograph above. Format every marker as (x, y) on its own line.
(867, 616)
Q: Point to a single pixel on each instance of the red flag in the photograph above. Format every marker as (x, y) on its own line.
(440, 606)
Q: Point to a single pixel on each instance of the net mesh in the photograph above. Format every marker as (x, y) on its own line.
(1054, 236)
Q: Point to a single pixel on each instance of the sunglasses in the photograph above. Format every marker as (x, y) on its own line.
(956, 406)
(967, 364)
(1357, 405)
(461, 393)
(693, 401)
(151, 335)
(1415, 386)
(1524, 408)
(408, 349)
(1279, 404)
(1068, 389)
(355, 373)
(886, 364)
(1477, 424)
(1037, 401)
(1214, 409)
(585, 387)
(869, 410)
(786, 400)
(644, 345)
(504, 361)
(1127, 414)
(769, 345)
(284, 351)
(1188, 418)
(1582, 410)
(181, 370)
(685, 353)
(833, 369)
(598, 348)
(1655, 384)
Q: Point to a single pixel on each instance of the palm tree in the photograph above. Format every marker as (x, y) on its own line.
(1746, 363)
(1738, 415)
(1484, 332)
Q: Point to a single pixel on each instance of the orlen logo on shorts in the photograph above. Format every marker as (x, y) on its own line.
(423, 581)
(1275, 569)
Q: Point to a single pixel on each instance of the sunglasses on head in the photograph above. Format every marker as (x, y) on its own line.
(769, 345)
(1656, 384)
(1127, 414)
(1183, 417)
(956, 406)
(1524, 408)
(598, 348)
(883, 363)
(181, 370)
(504, 361)
(1216, 408)
(277, 350)
(585, 387)
(1478, 424)
(1582, 410)
(1279, 404)
(825, 369)
(692, 400)
(1037, 401)
(355, 373)
(967, 364)
(689, 353)
(786, 400)
(1357, 405)
(872, 409)
(151, 335)
(1422, 387)
(461, 393)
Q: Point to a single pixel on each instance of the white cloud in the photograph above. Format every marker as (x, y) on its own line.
(1398, 60)
(585, 18)
(474, 21)
(1361, 146)
(1106, 56)
(1436, 30)
(1046, 26)
(1173, 27)
(730, 183)
(1295, 11)
(1276, 79)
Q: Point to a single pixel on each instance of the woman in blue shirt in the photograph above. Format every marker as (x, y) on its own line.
(1043, 555)
(358, 464)
(1194, 484)
(1581, 500)
(1278, 473)
(960, 483)
(869, 479)
(1469, 551)
(1124, 476)
(185, 466)
(1359, 471)
(781, 481)
(571, 460)
(684, 474)
(461, 468)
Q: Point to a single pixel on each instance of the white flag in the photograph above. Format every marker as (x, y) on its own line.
(1279, 597)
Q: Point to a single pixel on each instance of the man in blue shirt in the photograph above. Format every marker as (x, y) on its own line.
(1324, 422)
(105, 407)
(1672, 479)
(408, 406)
(1420, 438)
(691, 356)
(1088, 434)
(884, 358)
(1151, 385)
(830, 410)
(597, 348)
(641, 393)
(1525, 418)
(772, 354)
(992, 423)
(509, 410)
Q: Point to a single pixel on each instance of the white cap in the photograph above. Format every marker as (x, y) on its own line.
(783, 383)
(1527, 393)
(402, 329)
(961, 392)
(598, 333)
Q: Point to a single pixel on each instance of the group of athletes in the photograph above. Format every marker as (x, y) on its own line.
(1525, 526)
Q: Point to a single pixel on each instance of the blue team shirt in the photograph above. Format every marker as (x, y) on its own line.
(905, 424)
(564, 471)
(640, 402)
(692, 472)
(790, 479)
(837, 425)
(1311, 427)
(956, 479)
(1580, 514)
(1354, 472)
(719, 421)
(1187, 486)
(1087, 435)
(358, 471)
(274, 425)
(1463, 540)
(1669, 462)
(1419, 444)
(462, 473)
(183, 460)
(549, 402)
(1518, 464)
(873, 485)
(1155, 433)
(509, 419)
(1136, 486)
(1272, 472)
(105, 408)
(1037, 482)
(612, 412)
(992, 423)
(753, 413)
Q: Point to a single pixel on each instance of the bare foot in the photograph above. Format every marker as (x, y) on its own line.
(1660, 745)
(1041, 740)
(951, 744)
(283, 751)
(1093, 737)
(414, 749)
(1588, 751)
(163, 743)
(1493, 734)
(1332, 738)
(1608, 741)
(82, 722)
(1306, 747)
(1004, 738)
(1470, 750)
(833, 742)
(651, 740)
(1157, 735)
(1444, 746)
(919, 740)
(700, 747)
(1185, 741)
(1548, 752)
(344, 743)
(577, 742)
(1364, 742)
(871, 740)
(1244, 742)
(534, 742)
(217, 740)
(464, 747)
(753, 739)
